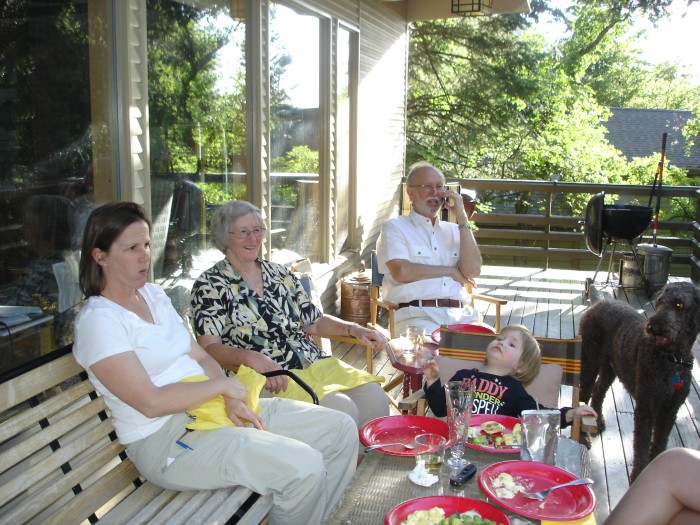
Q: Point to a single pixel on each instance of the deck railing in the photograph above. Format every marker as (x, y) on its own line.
(549, 234)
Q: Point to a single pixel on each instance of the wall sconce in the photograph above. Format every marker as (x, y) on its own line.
(472, 7)
(238, 10)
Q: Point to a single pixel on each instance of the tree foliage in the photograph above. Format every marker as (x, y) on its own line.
(491, 98)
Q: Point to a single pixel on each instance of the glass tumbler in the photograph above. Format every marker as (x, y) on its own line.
(416, 336)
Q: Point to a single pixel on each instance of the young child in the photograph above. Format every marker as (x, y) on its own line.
(512, 360)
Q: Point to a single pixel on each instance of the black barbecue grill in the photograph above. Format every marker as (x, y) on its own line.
(607, 224)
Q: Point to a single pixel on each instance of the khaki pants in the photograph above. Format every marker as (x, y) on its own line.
(305, 459)
(362, 403)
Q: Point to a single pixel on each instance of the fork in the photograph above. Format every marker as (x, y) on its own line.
(540, 495)
(409, 446)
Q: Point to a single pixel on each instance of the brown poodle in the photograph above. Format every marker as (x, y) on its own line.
(653, 359)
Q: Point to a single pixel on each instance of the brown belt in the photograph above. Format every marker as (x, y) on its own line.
(441, 303)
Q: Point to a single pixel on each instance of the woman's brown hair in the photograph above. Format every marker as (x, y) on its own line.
(104, 225)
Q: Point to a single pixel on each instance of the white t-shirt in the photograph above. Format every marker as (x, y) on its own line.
(103, 329)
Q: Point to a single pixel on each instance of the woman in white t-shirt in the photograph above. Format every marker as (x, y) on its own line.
(154, 376)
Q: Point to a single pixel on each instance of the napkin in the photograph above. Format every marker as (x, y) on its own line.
(420, 476)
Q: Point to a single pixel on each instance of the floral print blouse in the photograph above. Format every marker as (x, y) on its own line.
(225, 305)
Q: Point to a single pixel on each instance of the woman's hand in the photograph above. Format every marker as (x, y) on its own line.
(370, 337)
(239, 412)
(261, 363)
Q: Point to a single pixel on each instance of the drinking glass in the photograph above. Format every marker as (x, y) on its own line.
(459, 397)
(430, 450)
(416, 335)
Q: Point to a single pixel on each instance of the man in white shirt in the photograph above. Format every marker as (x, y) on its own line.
(427, 261)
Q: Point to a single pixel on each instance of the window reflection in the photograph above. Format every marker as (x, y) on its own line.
(196, 66)
(295, 134)
(46, 168)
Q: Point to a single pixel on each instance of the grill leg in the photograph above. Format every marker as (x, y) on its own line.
(610, 263)
(600, 261)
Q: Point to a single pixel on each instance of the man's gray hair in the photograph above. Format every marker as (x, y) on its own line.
(421, 164)
(227, 214)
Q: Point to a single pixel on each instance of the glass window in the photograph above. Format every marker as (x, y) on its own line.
(295, 132)
(48, 138)
(197, 105)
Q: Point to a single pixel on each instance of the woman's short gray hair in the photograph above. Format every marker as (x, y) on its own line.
(227, 214)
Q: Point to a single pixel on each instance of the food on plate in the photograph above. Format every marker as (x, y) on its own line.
(505, 487)
(436, 516)
(492, 427)
(494, 438)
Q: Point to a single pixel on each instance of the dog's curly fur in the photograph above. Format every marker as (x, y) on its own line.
(617, 341)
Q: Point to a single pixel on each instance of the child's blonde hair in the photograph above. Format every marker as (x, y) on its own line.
(531, 358)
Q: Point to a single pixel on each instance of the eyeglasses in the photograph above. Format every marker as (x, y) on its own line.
(429, 187)
(243, 233)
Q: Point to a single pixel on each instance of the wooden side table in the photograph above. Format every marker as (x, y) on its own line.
(411, 366)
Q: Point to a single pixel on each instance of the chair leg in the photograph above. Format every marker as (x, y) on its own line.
(576, 423)
(369, 356)
(396, 381)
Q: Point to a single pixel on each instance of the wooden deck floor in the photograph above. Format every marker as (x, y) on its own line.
(550, 303)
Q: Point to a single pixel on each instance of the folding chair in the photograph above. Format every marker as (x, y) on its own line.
(376, 301)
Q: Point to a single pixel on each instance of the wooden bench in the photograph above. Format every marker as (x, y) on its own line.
(60, 461)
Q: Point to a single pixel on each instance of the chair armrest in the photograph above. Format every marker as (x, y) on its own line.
(297, 379)
(589, 424)
(410, 404)
(387, 305)
(489, 299)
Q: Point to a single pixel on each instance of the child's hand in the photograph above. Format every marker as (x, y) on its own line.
(431, 372)
(580, 411)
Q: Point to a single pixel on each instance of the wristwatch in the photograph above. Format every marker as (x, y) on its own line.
(465, 226)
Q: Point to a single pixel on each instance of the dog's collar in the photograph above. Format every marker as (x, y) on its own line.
(680, 364)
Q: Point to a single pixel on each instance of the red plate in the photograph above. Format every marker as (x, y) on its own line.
(506, 421)
(400, 429)
(474, 328)
(569, 503)
(450, 504)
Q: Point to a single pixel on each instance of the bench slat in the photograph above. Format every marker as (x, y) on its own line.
(96, 495)
(29, 384)
(30, 417)
(38, 472)
(198, 510)
(54, 489)
(51, 433)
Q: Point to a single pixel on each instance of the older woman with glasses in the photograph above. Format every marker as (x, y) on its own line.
(252, 312)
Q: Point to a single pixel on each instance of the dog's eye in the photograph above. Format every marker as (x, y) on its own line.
(679, 305)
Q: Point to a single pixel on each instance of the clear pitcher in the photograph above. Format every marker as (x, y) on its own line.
(459, 397)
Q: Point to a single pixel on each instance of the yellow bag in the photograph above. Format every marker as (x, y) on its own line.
(323, 376)
(212, 414)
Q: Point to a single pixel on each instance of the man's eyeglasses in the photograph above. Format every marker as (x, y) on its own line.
(428, 187)
(243, 233)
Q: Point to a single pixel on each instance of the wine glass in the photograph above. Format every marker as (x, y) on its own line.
(459, 396)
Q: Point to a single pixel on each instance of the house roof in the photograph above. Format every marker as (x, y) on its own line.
(639, 132)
